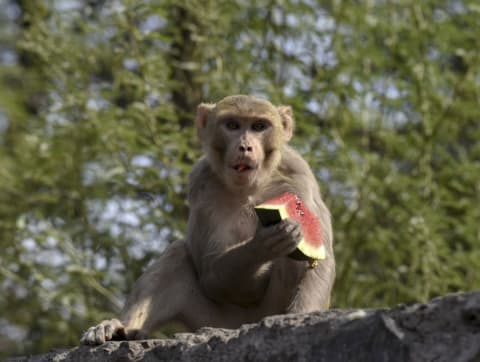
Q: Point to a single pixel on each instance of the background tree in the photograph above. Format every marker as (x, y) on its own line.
(96, 106)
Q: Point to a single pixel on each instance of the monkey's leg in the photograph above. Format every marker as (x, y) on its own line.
(160, 293)
(157, 297)
(315, 289)
(196, 310)
(296, 288)
(168, 290)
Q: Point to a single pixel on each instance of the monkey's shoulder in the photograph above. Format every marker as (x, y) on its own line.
(199, 170)
(293, 163)
(202, 180)
(296, 176)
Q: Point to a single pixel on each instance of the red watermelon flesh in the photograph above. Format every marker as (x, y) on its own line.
(289, 205)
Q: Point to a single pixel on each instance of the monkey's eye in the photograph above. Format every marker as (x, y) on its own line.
(232, 124)
(259, 126)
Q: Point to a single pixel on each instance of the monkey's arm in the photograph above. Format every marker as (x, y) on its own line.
(161, 293)
(239, 273)
(317, 283)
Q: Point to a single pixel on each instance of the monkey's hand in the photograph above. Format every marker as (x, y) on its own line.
(109, 330)
(277, 240)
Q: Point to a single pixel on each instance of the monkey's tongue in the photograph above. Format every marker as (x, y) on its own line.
(242, 167)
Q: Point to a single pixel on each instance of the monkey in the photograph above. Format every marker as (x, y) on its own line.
(229, 269)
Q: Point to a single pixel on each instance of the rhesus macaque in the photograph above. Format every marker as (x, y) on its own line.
(230, 270)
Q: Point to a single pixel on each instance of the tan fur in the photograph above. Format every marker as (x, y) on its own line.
(230, 270)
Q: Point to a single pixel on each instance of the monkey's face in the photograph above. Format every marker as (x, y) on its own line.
(242, 137)
(241, 147)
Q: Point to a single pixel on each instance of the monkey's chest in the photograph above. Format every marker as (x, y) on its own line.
(241, 226)
(242, 229)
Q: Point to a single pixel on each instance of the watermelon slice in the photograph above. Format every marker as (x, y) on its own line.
(289, 205)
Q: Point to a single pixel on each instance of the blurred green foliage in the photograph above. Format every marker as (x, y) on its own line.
(96, 106)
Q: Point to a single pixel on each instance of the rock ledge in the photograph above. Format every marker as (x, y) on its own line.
(444, 329)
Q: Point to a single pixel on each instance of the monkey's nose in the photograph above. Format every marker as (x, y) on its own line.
(244, 149)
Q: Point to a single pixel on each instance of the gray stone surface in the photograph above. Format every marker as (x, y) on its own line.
(444, 329)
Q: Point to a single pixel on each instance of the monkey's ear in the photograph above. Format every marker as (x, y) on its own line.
(286, 115)
(203, 111)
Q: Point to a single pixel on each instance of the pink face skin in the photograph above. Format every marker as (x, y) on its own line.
(245, 152)
(243, 172)
(242, 137)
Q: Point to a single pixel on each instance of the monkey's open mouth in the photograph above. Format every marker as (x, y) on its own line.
(242, 167)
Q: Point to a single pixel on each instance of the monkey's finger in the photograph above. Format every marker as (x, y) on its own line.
(100, 334)
(109, 331)
(284, 225)
(267, 231)
(297, 235)
(91, 336)
(83, 340)
(284, 243)
(288, 223)
(289, 229)
(284, 246)
(293, 227)
(114, 329)
(88, 337)
(294, 232)
(289, 232)
(297, 226)
(285, 250)
(273, 241)
(286, 228)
